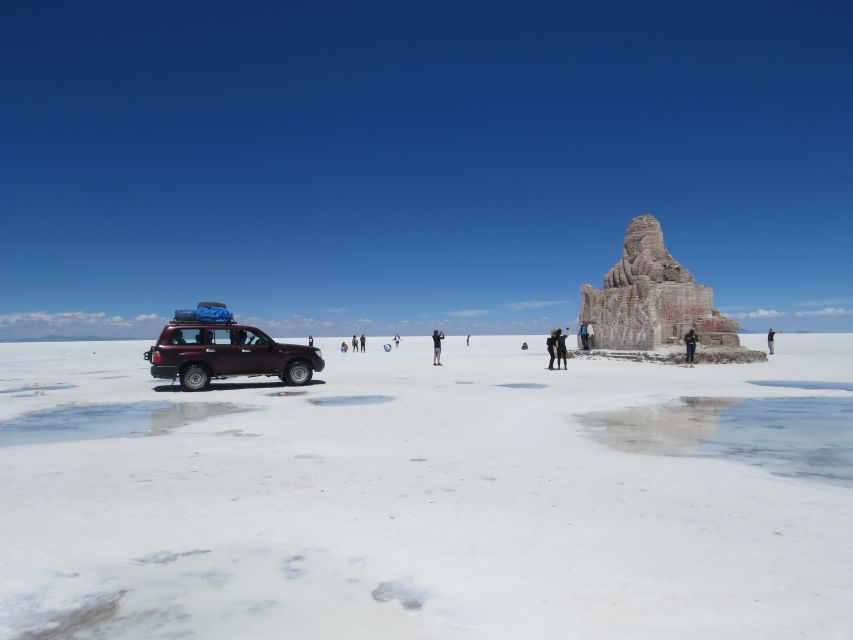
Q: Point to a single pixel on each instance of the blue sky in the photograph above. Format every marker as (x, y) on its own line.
(371, 167)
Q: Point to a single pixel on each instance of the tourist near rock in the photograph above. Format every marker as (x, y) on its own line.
(650, 300)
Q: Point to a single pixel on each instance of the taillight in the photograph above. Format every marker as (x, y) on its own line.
(156, 357)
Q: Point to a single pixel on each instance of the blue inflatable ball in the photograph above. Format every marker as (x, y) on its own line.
(387, 347)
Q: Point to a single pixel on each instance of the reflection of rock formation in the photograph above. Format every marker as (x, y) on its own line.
(669, 430)
(649, 299)
(166, 419)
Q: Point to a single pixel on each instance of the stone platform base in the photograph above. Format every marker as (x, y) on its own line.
(713, 355)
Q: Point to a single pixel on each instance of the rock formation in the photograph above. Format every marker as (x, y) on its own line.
(650, 300)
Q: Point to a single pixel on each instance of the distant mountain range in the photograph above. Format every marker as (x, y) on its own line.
(55, 338)
(762, 331)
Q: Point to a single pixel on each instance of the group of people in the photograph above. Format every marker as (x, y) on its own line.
(556, 344)
(356, 341)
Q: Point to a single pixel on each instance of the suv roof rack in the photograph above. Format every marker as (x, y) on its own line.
(198, 322)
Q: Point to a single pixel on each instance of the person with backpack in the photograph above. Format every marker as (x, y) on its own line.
(584, 334)
(551, 343)
(562, 352)
(690, 340)
(354, 344)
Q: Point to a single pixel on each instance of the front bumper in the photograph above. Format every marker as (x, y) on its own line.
(166, 372)
(319, 364)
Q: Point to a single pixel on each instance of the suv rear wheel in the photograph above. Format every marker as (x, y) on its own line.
(195, 378)
(298, 373)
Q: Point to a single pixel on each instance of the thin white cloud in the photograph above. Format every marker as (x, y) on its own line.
(467, 313)
(825, 312)
(758, 313)
(76, 323)
(829, 302)
(533, 304)
(338, 309)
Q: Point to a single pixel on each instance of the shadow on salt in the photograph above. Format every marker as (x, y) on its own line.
(97, 421)
(796, 437)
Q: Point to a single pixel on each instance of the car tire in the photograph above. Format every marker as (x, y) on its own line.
(195, 378)
(298, 373)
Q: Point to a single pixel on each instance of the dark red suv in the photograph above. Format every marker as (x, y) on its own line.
(196, 353)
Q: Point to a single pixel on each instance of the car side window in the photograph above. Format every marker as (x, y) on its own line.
(254, 339)
(221, 336)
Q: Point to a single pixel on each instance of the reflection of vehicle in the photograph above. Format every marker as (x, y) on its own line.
(197, 352)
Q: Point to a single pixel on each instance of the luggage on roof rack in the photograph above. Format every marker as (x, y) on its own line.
(205, 313)
(214, 315)
(185, 315)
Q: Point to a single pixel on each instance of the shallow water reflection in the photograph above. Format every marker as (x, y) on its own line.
(798, 437)
(341, 401)
(95, 421)
(805, 384)
(523, 385)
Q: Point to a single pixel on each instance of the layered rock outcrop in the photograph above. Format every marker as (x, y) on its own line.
(649, 299)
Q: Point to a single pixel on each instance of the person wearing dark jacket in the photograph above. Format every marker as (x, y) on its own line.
(562, 352)
(690, 340)
(437, 337)
(770, 336)
(551, 343)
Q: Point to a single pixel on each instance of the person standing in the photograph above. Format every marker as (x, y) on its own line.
(690, 340)
(551, 343)
(562, 352)
(770, 336)
(468, 340)
(354, 344)
(363, 340)
(436, 348)
(310, 340)
(397, 340)
(590, 335)
(584, 332)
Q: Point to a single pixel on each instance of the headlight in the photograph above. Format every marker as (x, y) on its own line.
(319, 354)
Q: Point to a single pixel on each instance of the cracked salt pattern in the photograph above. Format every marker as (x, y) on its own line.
(202, 593)
(38, 387)
(409, 597)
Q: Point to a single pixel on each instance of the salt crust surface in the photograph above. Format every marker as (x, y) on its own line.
(452, 511)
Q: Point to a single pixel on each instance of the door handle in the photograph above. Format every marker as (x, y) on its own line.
(210, 350)
(246, 350)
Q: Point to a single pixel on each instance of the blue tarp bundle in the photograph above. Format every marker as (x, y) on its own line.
(214, 315)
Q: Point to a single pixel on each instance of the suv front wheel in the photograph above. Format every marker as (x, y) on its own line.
(298, 373)
(195, 378)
